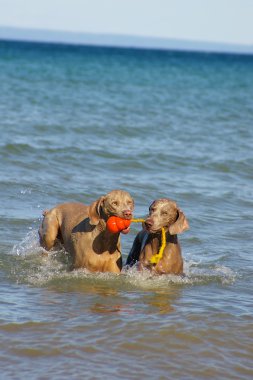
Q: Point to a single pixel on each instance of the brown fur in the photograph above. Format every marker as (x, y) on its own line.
(162, 213)
(82, 231)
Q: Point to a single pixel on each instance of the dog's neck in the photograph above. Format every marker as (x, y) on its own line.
(155, 239)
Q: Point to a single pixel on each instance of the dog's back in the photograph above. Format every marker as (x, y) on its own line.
(59, 222)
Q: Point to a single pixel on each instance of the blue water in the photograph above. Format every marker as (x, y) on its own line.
(77, 122)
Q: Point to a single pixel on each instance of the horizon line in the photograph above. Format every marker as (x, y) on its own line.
(120, 40)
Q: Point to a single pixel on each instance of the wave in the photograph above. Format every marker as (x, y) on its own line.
(35, 266)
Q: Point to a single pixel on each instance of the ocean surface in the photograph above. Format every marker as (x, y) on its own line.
(77, 122)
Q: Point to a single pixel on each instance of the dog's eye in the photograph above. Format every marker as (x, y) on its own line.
(114, 203)
(164, 213)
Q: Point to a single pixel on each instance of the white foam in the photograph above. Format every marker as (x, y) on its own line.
(40, 267)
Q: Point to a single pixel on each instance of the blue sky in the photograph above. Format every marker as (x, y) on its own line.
(226, 21)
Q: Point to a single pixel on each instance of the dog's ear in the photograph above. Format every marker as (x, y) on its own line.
(180, 225)
(95, 210)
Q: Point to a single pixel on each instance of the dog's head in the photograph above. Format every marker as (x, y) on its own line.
(165, 213)
(115, 203)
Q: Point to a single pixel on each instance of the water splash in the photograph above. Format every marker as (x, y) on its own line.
(40, 268)
(29, 245)
(26, 191)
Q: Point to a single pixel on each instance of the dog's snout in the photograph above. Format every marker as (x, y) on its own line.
(127, 214)
(148, 223)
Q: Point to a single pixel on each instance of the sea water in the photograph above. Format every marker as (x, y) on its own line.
(77, 122)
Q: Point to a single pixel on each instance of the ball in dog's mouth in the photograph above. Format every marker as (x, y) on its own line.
(116, 224)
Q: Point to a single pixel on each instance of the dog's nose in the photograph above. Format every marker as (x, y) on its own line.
(148, 223)
(127, 214)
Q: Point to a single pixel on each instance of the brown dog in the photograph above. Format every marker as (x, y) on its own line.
(162, 213)
(82, 231)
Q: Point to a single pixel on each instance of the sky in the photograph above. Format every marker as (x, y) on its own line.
(220, 21)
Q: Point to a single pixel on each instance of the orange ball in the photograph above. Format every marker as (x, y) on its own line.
(116, 224)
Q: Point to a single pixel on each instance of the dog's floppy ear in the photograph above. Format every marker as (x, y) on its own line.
(94, 210)
(180, 225)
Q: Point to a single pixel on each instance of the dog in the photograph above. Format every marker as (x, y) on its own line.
(82, 231)
(163, 213)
